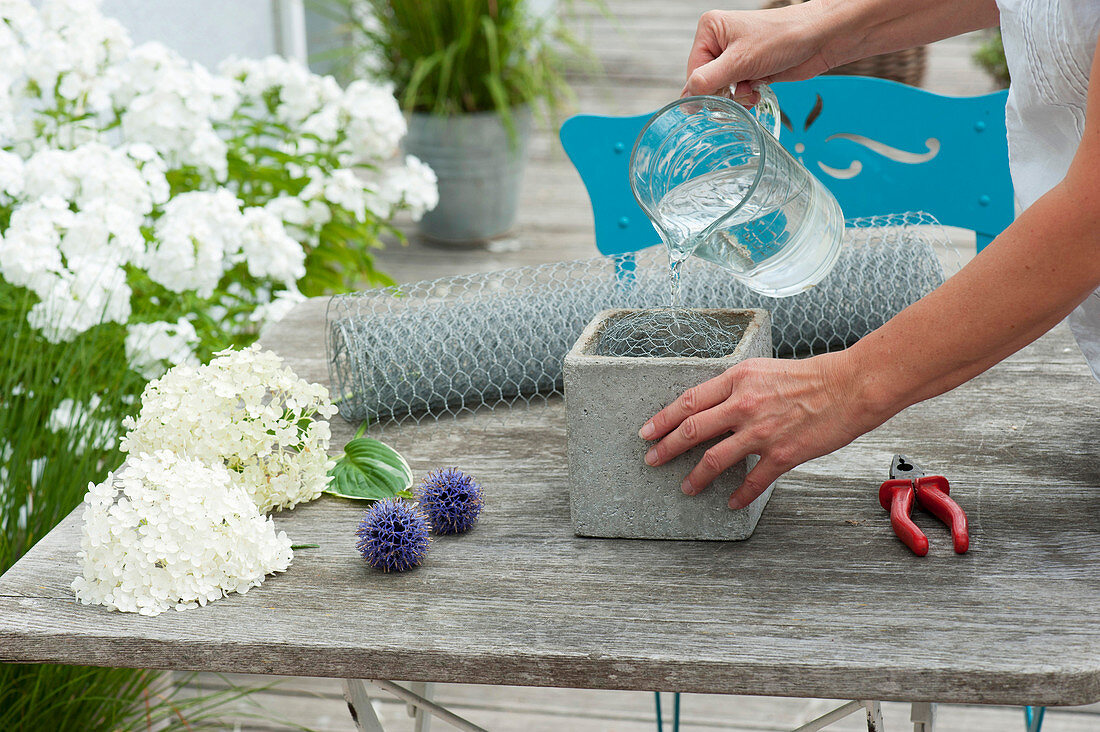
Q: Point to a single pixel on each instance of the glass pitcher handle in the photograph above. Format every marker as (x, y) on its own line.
(766, 109)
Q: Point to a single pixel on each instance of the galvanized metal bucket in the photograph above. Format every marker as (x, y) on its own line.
(479, 166)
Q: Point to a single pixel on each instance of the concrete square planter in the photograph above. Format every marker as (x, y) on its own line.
(612, 492)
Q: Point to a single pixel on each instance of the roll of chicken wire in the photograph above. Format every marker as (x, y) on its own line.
(458, 344)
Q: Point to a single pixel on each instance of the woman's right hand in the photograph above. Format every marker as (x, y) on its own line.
(795, 42)
(736, 48)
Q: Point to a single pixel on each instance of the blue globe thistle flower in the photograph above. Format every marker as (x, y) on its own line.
(451, 499)
(393, 536)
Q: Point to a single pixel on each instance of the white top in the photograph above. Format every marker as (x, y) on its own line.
(1049, 46)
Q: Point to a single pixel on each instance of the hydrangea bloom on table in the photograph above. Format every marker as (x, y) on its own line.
(169, 531)
(246, 412)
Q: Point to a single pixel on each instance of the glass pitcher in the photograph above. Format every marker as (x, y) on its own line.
(716, 183)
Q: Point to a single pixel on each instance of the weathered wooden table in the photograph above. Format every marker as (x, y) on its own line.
(823, 601)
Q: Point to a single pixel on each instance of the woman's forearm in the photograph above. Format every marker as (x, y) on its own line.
(1026, 281)
(855, 29)
(1020, 286)
(800, 41)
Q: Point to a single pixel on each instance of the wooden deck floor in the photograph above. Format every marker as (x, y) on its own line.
(643, 53)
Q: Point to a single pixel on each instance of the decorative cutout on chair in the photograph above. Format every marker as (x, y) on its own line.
(886, 151)
(856, 167)
(814, 113)
(842, 173)
(898, 156)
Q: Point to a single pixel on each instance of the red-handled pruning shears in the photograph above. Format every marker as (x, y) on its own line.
(909, 484)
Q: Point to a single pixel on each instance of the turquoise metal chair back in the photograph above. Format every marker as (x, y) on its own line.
(879, 146)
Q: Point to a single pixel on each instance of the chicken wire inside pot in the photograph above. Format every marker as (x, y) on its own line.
(671, 333)
(458, 344)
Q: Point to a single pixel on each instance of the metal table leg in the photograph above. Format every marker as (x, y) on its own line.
(423, 718)
(872, 708)
(874, 716)
(362, 712)
(421, 706)
(923, 716)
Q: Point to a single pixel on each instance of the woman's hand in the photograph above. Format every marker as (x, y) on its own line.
(736, 48)
(784, 410)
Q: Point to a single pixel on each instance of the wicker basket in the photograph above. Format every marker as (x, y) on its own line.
(906, 66)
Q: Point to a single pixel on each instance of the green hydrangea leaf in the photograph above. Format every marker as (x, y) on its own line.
(369, 470)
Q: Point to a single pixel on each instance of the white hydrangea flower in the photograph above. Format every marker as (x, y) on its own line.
(75, 302)
(298, 93)
(75, 43)
(245, 411)
(324, 124)
(30, 256)
(419, 185)
(88, 174)
(170, 531)
(50, 173)
(153, 170)
(8, 123)
(341, 188)
(368, 61)
(103, 233)
(270, 313)
(305, 213)
(153, 348)
(196, 238)
(412, 186)
(268, 250)
(19, 26)
(73, 259)
(93, 128)
(373, 123)
(79, 419)
(172, 104)
(298, 214)
(11, 172)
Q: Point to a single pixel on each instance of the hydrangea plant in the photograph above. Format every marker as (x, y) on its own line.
(140, 190)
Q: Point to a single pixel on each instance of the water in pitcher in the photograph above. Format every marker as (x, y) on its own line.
(766, 241)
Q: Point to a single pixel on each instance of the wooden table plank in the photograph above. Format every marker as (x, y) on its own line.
(823, 601)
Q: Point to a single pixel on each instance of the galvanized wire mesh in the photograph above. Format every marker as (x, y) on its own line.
(669, 333)
(457, 344)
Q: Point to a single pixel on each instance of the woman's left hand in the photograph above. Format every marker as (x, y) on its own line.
(784, 410)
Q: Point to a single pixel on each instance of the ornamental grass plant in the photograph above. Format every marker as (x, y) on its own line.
(450, 57)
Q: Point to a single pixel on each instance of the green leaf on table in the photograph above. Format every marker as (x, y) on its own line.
(369, 470)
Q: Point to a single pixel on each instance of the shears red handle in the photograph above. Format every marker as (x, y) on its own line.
(931, 492)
